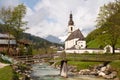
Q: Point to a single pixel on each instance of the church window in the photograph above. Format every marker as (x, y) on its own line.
(81, 45)
(71, 28)
(76, 42)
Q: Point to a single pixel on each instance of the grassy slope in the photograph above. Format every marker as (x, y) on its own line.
(95, 44)
(6, 73)
(93, 57)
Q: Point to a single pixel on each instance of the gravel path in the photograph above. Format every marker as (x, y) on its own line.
(3, 65)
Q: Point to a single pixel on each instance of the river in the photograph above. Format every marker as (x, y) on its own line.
(43, 71)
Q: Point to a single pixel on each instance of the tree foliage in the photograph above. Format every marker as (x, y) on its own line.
(12, 19)
(17, 20)
(108, 22)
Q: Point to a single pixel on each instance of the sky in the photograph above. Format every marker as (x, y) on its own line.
(50, 17)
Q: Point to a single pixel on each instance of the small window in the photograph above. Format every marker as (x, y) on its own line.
(81, 45)
(76, 42)
(71, 28)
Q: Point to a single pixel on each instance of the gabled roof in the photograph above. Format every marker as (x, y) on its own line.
(76, 34)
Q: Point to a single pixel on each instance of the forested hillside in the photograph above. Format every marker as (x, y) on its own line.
(37, 42)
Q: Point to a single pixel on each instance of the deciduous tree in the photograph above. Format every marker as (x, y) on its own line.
(108, 22)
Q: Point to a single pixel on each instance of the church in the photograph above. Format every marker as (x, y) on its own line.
(75, 39)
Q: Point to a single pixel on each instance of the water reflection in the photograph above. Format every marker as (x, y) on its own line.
(43, 71)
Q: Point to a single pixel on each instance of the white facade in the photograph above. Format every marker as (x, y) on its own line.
(99, 51)
(81, 44)
(80, 51)
(70, 43)
(75, 38)
(75, 43)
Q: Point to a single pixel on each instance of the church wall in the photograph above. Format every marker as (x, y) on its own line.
(81, 44)
(70, 43)
(117, 51)
(84, 51)
(80, 51)
(66, 45)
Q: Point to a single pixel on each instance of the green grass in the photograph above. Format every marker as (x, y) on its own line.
(6, 73)
(94, 44)
(43, 51)
(82, 65)
(93, 57)
(116, 65)
(97, 43)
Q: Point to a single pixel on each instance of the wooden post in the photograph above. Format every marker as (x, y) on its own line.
(63, 69)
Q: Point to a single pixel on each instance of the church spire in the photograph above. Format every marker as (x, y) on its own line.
(71, 21)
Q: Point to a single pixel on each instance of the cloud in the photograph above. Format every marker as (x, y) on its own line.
(50, 17)
(9, 3)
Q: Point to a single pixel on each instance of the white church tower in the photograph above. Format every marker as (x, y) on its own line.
(71, 26)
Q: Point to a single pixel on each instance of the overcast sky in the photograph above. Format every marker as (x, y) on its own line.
(50, 17)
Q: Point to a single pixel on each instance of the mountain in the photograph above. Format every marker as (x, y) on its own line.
(37, 41)
(53, 39)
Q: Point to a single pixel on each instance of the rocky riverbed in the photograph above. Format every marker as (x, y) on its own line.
(43, 71)
(101, 70)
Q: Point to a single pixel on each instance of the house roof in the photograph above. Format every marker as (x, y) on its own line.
(76, 34)
(6, 36)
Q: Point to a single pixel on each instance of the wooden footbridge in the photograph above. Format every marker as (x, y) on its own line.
(30, 59)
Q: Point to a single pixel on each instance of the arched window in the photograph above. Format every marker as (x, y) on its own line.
(71, 28)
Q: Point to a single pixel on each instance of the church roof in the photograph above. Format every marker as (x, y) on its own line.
(76, 34)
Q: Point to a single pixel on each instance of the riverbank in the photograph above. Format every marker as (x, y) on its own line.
(105, 71)
(82, 62)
